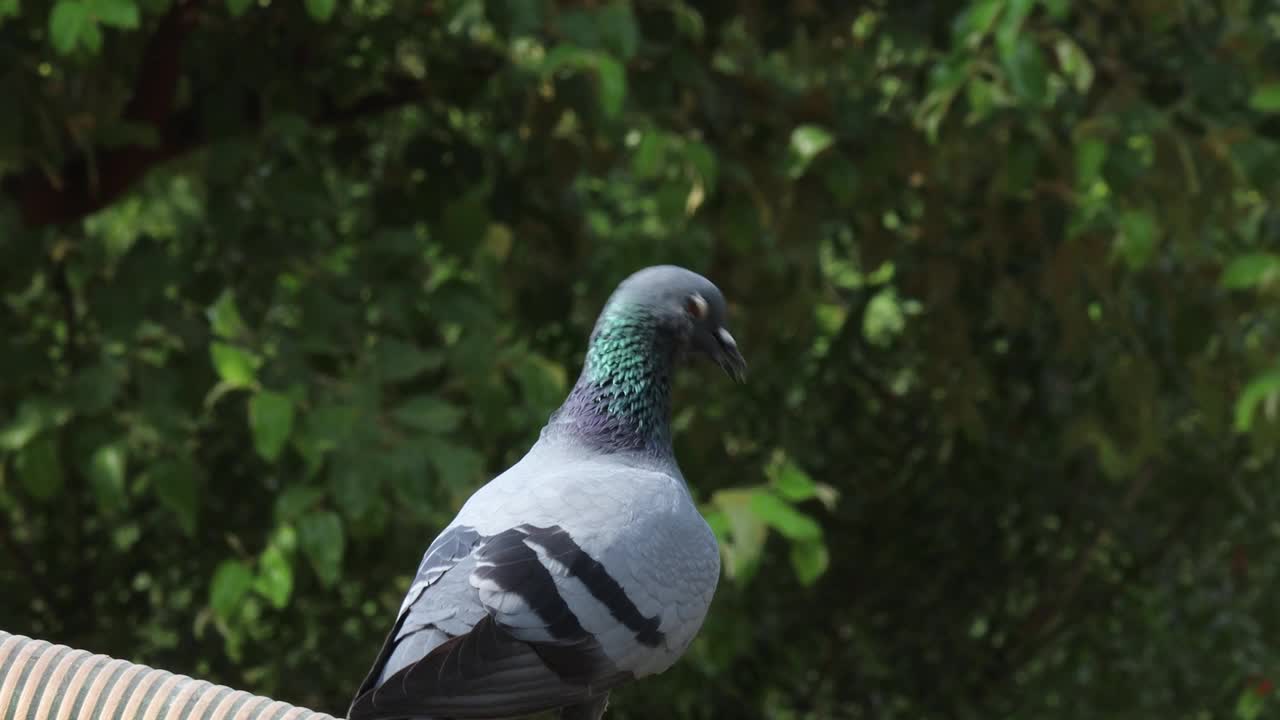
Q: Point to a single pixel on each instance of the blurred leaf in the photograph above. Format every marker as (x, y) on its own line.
(1028, 74)
(1266, 98)
(457, 465)
(704, 162)
(1058, 8)
(1091, 153)
(809, 559)
(613, 84)
(95, 388)
(807, 142)
(321, 538)
(354, 487)
(235, 366)
(107, 476)
(1250, 270)
(224, 317)
(69, 23)
(1249, 705)
(1137, 239)
(792, 523)
(34, 416)
(238, 7)
(789, 481)
(542, 382)
(177, 487)
(275, 576)
(649, 154)
(321, 10)
(428, 413)
(610, 74)
(116, 13)
(747, 533)
(271, 419)
(398, 360)
(39, 468)
(688, 20)
(979, 18)
(1265, 387)
(883, 318)
(1075, 63)
(9, 8)
(231, 581)
(295, 501)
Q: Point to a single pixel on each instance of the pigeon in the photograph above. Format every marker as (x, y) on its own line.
(586, 564)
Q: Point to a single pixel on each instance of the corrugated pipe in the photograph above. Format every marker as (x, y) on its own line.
(42, 681)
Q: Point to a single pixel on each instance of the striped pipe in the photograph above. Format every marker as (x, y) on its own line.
(42, 681)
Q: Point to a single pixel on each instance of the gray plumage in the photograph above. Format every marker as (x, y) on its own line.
(584, 565)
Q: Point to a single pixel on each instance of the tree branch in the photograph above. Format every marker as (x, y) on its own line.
(93, 179)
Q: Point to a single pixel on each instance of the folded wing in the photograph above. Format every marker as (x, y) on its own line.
(485, 632)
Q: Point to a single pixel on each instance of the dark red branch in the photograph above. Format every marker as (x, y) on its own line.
(81, 187)
(75, 191)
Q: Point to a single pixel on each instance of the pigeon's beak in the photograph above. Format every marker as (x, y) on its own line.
(728, 357)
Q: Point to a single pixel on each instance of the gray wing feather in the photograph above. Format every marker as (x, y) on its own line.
(485, 673)
(484, 633)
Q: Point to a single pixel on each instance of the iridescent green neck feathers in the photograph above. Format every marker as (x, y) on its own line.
(622, 399)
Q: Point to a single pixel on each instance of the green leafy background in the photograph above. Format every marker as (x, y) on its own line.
(283, 282)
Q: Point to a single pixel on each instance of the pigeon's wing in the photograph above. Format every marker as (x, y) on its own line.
(418, 615)
(526, 653)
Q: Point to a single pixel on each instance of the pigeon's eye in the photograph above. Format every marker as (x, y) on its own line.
(696, 305)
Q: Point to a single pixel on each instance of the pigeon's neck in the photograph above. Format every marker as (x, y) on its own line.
(622, 400)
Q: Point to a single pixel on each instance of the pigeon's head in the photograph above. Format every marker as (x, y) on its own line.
(687, 303)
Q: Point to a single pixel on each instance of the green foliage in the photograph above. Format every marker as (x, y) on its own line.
(231, 581)
(283, 283)
(321, 539)
(271, 419)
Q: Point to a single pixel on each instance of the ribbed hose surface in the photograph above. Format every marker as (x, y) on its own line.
(41, 681)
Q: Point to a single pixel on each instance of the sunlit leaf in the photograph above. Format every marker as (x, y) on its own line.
(613, 84)
(789, 480)
(807, 142)
(224, 317)
(1250, 704)
(236, 366)
(1265, 387)
(116, 13)
(275, 576)
(34, 415)
(809, 559)
(68, 24)
(784, 518)
(321, 10)
(1249, 270)
(1075, 63)
(106, 471)
(746, 532)
(1266, 98)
